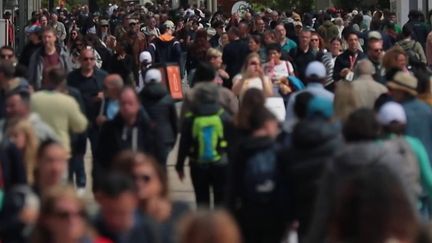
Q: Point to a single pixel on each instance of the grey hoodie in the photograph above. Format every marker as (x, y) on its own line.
(353, 157)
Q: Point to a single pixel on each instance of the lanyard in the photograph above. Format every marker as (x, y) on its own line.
(353, 60)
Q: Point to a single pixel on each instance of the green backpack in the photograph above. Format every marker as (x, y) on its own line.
(208, 134)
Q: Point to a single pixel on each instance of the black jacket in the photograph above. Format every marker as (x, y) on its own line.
(234, 55)
(313, 145)
(300, 60)
(165, 51)
(266, 221)
(89, 89)
(343, 61)
(115, 136)
(162, 111)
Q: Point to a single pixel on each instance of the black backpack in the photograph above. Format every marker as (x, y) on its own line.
(260, 176)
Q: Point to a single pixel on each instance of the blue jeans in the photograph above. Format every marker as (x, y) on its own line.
(76, 167)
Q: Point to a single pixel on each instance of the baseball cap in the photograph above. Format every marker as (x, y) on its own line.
(169, 24)
(375, 35)
(103, 22)
(391, 112)
(145, 56)
(33, 29)
(153, 76)
(316, 70)
(320, 107)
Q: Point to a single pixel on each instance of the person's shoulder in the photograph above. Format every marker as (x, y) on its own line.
(100, 73)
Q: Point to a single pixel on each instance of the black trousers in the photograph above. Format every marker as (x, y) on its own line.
(206, 176)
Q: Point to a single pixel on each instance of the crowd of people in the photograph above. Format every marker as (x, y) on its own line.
(296, 127)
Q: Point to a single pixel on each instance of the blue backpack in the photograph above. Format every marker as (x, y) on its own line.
(260, 176)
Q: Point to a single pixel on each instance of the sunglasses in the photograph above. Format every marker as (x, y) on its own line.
(104, 25)
(89, 58)
(377, 50)
(143, 178)
(68, 215)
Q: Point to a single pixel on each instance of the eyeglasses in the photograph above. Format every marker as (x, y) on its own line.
(144, 178)
(88, 59)
(68, 215)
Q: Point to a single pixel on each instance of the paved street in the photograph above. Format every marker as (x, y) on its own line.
(181, 191)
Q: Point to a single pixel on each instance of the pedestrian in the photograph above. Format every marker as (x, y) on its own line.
(303, 54)
(412, 47)
(130, 129)
(346, 62)
(153, 193)
(166, 48)
(234, 54)
(329, 59)
(117, 219)
(161, 109)
(88, 80)
(403, 89)
(59, 111)
(255, 191)
(47, 56)
(204, 140)
(365, 87)
(22, 134)
(252, 76)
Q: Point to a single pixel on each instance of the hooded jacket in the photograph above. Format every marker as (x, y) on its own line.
(314, 143)
(161, 109)
(165, 49)
(116, 136)
(352, 158)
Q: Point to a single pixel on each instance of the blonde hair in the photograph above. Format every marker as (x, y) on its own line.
(31, 147)
(209, 227)
(212, 52)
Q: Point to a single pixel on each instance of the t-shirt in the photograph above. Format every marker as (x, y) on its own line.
(50, 61)
(276, 72)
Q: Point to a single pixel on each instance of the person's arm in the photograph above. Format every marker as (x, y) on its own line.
(77, 120)
(267, 86)
(184, 146)
(423, 162)
(421, 52)
(337, 69)
(237, 87)
(174, 118)
(63, 32)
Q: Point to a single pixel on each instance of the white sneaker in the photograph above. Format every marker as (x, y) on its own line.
(81, 191)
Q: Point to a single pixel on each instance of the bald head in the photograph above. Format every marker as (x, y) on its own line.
(364, 67)
(113, 84)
